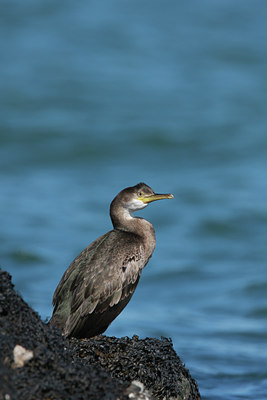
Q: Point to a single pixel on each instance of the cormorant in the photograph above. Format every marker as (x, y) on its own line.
(101, 280)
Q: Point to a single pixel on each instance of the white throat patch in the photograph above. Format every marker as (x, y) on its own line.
(133, 206)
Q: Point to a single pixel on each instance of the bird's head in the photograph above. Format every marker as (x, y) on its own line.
(138, 197)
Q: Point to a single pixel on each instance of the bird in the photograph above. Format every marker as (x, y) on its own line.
(101, 280)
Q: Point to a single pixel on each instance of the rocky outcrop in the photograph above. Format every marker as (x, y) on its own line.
(37, 362)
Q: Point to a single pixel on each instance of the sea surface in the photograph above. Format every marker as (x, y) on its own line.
(100, 95)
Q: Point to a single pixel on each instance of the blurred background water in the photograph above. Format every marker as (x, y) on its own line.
(96, 96)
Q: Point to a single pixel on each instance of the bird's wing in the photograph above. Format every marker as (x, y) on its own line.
(104, 275)
(79, 262)
(109, 277)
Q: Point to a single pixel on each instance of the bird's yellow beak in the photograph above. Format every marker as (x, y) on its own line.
(153, 197)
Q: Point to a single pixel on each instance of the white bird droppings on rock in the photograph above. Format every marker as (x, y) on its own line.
(21, 355)
(137, 391)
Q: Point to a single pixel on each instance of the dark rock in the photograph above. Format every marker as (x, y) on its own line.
(99, 368)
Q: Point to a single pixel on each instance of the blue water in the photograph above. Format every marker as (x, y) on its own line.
(97, 96)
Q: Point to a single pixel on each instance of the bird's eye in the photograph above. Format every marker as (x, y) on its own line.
(140, 194)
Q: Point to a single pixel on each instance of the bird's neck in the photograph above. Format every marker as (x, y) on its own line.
(125, 221)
